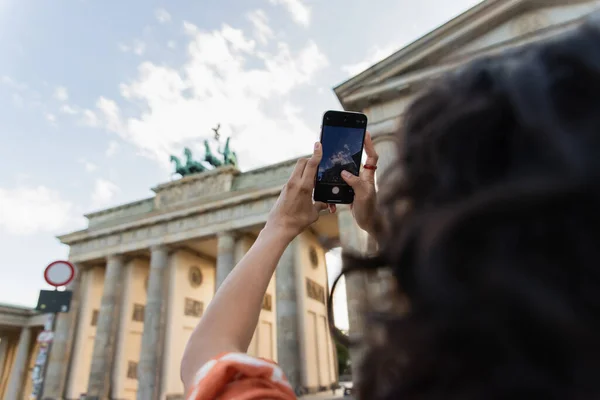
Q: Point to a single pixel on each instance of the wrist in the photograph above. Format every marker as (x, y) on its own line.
(279, 233)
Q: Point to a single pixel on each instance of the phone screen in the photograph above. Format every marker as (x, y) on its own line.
(342, 139)
(342, 150)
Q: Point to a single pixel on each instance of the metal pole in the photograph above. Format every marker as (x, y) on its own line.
(42, 361)
(45, 365)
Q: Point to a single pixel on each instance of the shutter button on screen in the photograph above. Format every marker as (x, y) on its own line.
(335, 190)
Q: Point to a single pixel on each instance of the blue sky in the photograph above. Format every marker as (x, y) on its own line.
(94, 95)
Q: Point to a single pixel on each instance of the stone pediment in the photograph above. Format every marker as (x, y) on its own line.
(520, 28)
(490, 25)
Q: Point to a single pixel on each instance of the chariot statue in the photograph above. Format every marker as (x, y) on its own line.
(226, 156)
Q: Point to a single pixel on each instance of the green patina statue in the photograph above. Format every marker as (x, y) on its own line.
(209, 157)
(229, 157)
(179, 168)
(195, 167)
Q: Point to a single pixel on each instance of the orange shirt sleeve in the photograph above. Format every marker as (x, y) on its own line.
(240, 376)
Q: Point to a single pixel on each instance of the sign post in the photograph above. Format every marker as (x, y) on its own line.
(52, 302)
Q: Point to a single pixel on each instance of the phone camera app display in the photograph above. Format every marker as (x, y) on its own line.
(342, 150)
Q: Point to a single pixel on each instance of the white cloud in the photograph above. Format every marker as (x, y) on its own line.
(112, 149)
(182, 105)
(190, 28)
(162, 15)
(67, 109)
(259, 21)
(236, 39)
(51, 118)
(90, 119)
(29, 210)
(375, 55)
(111, 114)
(89, 166)
(171, 44)
(300, 11)
(104, 192)
(61, 93)
(123, 47)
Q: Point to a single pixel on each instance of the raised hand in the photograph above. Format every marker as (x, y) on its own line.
(364, 205)
(295, 209)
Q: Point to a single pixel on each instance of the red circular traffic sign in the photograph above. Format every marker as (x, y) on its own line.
(59, 273)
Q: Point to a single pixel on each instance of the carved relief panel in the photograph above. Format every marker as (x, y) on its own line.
(193, 188)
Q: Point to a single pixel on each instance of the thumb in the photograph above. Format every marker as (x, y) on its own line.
(320, 206)
(350, 179)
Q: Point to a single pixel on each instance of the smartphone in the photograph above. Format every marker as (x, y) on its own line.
(342, 140)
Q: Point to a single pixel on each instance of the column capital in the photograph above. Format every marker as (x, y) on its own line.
(120, 258)
(386, 128)
(226, 241)
(79, 266)
(228, 234)
(384, 137)
(159, 247)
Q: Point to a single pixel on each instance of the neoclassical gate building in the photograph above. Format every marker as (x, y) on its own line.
(149, 268)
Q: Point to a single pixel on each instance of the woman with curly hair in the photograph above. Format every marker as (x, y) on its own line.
(489, 223)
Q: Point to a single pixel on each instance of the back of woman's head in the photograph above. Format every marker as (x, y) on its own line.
(493, 233)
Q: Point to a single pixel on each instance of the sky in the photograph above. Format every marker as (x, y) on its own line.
(95, 95)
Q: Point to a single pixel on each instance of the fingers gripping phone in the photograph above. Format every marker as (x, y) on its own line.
(342, 140)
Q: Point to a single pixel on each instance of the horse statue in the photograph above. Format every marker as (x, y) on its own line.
(179, 168)
(229, 157)
(209, 157)
(193, 167)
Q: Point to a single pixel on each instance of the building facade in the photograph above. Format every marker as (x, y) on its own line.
(19, 327)
(148, 269)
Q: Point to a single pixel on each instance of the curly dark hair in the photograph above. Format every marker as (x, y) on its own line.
(493, 233)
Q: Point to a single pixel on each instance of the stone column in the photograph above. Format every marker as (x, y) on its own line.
(354, 239)
(386, 147)
(149, 365)
(241, 247)
(15, 381)
(225, 256)
(288, 319)
(3, 352)
(104, 342)
(58, 362)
